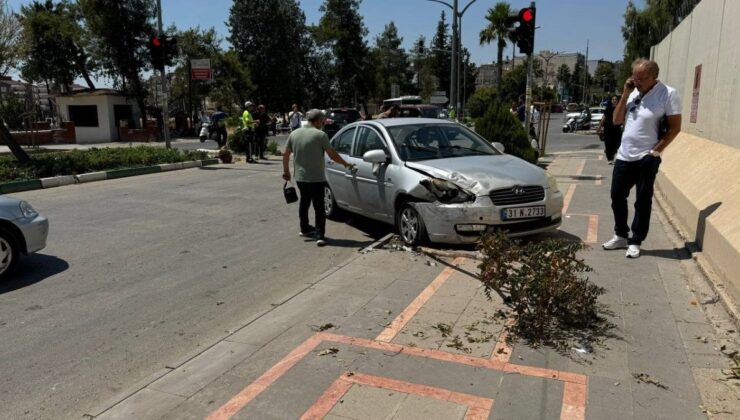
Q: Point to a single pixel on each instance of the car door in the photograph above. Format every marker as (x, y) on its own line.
(373, 190)
(337, 175)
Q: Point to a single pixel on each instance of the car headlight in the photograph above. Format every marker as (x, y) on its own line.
(446, 191)
(552, 183)
(27, 211)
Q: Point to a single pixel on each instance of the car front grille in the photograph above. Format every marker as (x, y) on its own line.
(517, 195)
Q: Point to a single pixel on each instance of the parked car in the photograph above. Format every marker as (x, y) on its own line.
(336, 118)
(22, 231)
(596, 113)
(421, 111)
(439, 181)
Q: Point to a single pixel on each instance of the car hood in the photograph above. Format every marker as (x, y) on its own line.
(482, 174)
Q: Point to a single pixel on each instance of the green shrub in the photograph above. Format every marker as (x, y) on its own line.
(237, 142)
(553, 299)
(81, 161)
(498, 125)
(273, 149)
(480, 101)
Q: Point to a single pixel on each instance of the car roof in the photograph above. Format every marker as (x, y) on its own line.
(394, 122)
(429, 106)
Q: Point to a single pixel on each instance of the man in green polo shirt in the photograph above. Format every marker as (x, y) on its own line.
(309, 144)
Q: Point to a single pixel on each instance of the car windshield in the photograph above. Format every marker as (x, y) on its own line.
(437, 141)
(345, 116)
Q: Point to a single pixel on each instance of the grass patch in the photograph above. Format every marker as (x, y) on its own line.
(76, 162)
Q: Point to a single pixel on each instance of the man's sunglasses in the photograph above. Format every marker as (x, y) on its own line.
(635, 104)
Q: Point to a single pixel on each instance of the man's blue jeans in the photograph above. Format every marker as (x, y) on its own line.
(640, 174)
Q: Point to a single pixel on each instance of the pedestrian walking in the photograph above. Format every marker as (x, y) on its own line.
(260, 133)
(294, 118)
(308, 144)
(644, 102)
(610, 133)
(248, 126)
(218, 120)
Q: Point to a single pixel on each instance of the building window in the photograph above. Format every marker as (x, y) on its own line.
(84, 115)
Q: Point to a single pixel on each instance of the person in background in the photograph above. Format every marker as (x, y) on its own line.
(260, 132)
(218, 119)
(248, 124)
(295, 118)
(645, 102)
(391, 112)
(610, 133)
(309, 144)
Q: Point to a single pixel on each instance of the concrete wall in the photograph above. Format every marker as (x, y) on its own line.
(700, 174)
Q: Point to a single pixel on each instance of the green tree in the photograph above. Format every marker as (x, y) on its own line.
(499, 125)
(391, 62)
(423, 69)
(441, 54)
(480, 101)
(10, 33)
(119, 32)
(514, 84)
(498, 29)
(318, 81)
(267, 36)
(563, 77)
(53, 45)
(605, 77)
(341, 28)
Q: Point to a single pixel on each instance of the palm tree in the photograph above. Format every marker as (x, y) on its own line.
(499, 29)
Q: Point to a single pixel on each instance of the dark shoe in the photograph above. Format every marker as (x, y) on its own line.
(263, 158)
(250, 160)
(320, 240)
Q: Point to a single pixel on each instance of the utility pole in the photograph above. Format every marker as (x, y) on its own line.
(165, 110)
(528, 97)
(585, 75)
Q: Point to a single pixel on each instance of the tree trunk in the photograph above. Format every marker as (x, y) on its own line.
(499, 68)
(9, 141)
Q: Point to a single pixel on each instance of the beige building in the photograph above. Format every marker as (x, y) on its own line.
(699, 178)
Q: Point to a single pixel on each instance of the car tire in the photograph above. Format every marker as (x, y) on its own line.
(9, 253)
(410, 225)
(330, 204)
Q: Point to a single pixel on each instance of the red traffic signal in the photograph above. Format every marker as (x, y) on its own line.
(156, 42)
(526, 15)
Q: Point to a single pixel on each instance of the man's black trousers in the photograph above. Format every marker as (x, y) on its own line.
(640, 174)
(312, 193)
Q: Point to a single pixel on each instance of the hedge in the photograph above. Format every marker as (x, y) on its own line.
(82, 161)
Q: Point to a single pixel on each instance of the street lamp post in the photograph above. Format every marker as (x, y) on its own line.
(455, 61)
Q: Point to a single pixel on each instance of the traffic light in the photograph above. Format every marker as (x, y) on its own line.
(170, 50)
(525, 30)
(156, 51)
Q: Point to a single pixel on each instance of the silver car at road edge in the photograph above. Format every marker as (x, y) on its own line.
(22, 231)
(437, 180)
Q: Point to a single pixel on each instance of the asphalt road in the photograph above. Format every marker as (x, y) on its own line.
(141, 272)
(559, 142)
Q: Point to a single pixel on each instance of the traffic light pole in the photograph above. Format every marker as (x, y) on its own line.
(165, 110)
(528, 98)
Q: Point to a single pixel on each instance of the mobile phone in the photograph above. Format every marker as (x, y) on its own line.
(630, 84)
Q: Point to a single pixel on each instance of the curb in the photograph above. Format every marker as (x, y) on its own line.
(58, 181)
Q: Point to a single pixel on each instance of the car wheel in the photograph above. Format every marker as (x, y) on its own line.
(410, 225)
(8, 253)
(331, 209)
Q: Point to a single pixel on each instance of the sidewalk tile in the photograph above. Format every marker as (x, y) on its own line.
(523, 398)
(366, 402)
(145, 404)
(415, 407)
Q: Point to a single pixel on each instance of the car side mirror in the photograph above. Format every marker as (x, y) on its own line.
(375, 156)
(499, 146)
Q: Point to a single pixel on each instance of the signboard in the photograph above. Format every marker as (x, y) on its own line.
(201, 69)
(695, 94)
(395, 90)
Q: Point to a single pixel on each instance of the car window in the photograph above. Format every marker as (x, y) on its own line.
(437, 141)
(368, 139)
(409, 112)
(430, 112)
(344, 142)
(343, 116)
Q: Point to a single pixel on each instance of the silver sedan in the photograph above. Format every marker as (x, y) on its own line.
(437, 180)
(22, 231)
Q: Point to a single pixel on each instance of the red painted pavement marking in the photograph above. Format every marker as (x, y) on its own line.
(593, 229)
(581, 167)
(478, 407)
(574, 398)
(392, 330)
(502, 351)
(568, 197)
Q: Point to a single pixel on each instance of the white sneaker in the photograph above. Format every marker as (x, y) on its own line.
(616, 242)
(633, 251)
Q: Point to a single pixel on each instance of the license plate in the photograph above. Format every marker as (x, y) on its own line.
(522, 212)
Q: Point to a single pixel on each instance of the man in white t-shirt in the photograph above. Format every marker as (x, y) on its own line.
(294, 118)
(645, 101)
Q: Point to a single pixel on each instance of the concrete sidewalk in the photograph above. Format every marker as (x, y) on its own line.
(396, 335)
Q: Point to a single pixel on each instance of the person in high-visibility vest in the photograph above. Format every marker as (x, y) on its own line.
(248, 125)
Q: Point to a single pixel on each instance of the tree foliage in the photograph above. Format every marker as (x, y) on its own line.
(54, 45)
(498, 29)
(267, 37)
(499, 125)
(391, 64)
(424, 79)
(604, 77)
(441, 54)
(10, 33)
